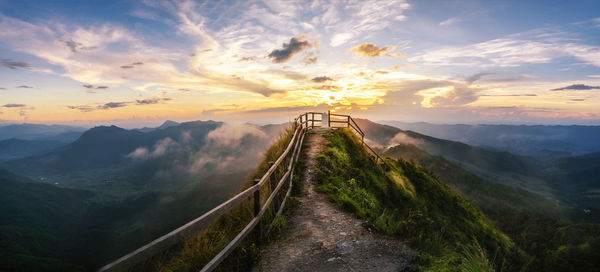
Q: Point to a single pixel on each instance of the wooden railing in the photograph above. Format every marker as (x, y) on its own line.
(286, 160)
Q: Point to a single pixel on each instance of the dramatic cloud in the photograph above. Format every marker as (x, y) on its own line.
(127, 66)
(151, 101)
(295, 46)
(14, 105)
(24, 87)
(371, 50)
(13, 64)
(88, 86)
(102, 87)
(577, 87)
(430, 93)
(320, 79)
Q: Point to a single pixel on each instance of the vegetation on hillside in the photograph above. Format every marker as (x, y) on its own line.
(450, 233)
(536, 224)
(202, 247)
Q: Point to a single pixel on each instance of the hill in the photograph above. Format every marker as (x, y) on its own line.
(543, 142)
(496, 166)
(450, 233)
(36, 131)
(11, 149)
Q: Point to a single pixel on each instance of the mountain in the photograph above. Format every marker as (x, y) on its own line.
(166, 124)
(105, 146)
(35, 131)
(16, 148)
(493, 165)
(543, 142)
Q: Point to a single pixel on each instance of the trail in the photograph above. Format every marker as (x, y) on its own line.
(321, 237)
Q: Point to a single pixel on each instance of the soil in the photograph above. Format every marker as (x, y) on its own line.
(319, 236)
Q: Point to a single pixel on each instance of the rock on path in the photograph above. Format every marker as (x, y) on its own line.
(321, 237)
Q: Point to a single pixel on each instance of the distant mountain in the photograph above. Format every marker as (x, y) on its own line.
(15, 148)
(166, 124)
(105, 146)
(545, 142)
(497, 166)
(35, 131)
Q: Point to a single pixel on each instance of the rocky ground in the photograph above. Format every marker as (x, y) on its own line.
(319, 236)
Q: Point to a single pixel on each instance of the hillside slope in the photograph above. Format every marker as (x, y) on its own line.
(495, 166)
(450, 233)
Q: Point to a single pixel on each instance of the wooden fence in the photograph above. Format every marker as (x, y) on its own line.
(287, 160)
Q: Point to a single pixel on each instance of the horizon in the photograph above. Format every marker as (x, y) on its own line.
(140, 64)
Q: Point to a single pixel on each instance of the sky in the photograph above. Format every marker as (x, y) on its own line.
(136, 63)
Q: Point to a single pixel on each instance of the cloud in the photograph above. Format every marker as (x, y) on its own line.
(14, 105)
(371, 50)
(132, 65)
(360, 18)
(402, 138)
(82, 108)
(75, 47)
(508, 95)
(309, 59)
(578, 99)
(24, 87)
(320, 79)
(112, 105)
(149, 101)
(577, 87)
(251, 58)
(476, 77)
(88, 86)
(510, 52)
(2, 88)
(13, 64)
(161, 147)
(429, 93)
(102, 87)
(450, 21)
(295, 46)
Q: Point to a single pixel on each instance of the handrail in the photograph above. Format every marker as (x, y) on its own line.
(301, 124)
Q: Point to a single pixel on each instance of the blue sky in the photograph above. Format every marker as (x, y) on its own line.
(141, 62)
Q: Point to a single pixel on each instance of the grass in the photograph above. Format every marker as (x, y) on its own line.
(408, 202)
(203, 246)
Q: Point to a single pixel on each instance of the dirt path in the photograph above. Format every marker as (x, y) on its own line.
(321, 237)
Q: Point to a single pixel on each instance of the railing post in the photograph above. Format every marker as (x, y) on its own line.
(272, 178)
(348, 122)
(257, 210)
(312, 123)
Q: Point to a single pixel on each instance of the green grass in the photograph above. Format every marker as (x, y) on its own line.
(408, 202)
(203, 246)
